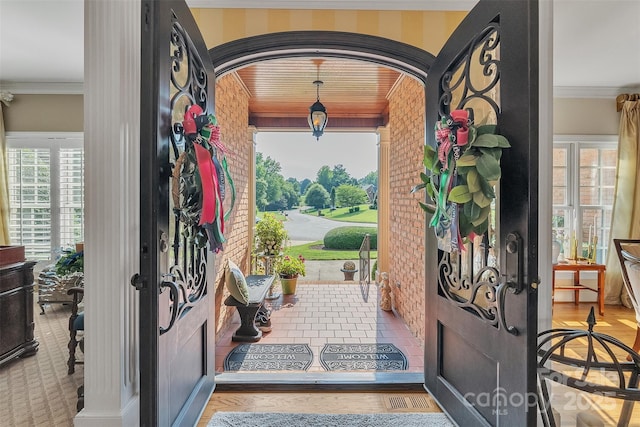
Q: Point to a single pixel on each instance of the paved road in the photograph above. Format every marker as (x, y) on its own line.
(309, 228)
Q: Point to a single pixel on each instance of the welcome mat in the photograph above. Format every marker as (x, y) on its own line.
(360, 357)
(269, 357)
(271, 419)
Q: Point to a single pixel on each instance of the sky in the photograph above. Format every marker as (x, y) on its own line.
(301, 156)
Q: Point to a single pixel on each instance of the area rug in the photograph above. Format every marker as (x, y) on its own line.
(362, 357)
(269, 419)
(269, 357)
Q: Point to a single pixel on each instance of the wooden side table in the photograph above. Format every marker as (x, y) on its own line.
(577, 267)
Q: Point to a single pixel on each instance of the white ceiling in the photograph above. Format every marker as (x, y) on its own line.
(596, 42)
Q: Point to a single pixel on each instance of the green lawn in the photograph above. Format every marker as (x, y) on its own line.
(277, 214)
(364, 215)
(314, 252)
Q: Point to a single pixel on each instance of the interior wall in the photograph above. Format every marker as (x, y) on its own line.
(407, 138)
(585, 116)
(232, 104)
(64, 113)
(424, 29)
(40, 113)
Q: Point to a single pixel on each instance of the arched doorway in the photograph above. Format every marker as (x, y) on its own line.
(410, 65)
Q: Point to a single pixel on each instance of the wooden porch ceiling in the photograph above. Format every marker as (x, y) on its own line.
(353, 92)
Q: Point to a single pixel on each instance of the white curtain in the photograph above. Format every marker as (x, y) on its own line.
(5, 99)
(625, 219)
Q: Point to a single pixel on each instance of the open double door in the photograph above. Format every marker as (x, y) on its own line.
(479, 358)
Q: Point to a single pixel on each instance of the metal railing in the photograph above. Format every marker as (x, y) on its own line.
(364, 255)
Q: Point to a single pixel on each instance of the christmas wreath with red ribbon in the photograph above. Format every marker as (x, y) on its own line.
(464, 168)
(199, 180)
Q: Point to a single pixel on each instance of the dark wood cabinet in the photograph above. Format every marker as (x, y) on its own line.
(16, 311)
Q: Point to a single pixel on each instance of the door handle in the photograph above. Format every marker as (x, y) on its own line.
(513, 263)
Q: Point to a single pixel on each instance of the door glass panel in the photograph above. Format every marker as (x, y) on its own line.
(184, 281)
(474, 84)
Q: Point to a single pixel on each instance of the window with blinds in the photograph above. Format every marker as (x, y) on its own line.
(584, 173)
(46, 193)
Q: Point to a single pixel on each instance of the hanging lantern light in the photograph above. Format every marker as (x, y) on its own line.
(317, 114)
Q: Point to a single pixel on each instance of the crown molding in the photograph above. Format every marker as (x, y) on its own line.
(43, 88)
(77, 88)
(337, 4)
(590, 91)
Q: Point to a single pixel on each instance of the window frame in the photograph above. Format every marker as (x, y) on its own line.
(573, 207)
(54, 141)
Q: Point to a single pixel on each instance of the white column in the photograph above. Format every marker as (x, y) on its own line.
(252, 131)
(384, 193)
(112, 187)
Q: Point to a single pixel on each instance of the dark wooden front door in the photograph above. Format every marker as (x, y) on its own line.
(176, 304)
(481, 302)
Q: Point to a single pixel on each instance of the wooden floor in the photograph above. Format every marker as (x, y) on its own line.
(618, 321)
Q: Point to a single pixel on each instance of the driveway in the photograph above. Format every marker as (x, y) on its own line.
(309, 228)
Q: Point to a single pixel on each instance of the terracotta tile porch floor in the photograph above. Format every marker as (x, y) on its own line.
(331, 313)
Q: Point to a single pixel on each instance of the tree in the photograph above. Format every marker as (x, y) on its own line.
(291, 194)
(295, 183)
(269, 184)
(316, 196)
(261, 194)
(274, 190)
(370, 179)
(339, 176)
(304, 185)
(350, 195)
(324, 177)
(269, 166)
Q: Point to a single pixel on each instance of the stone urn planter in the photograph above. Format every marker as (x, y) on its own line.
(349, 269)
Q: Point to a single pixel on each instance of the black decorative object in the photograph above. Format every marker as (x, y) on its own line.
(362, 357)
(317, 112)
(609, 368)
(269, 357)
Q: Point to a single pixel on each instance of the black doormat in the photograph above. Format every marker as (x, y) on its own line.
(269, 357)
(362, 357)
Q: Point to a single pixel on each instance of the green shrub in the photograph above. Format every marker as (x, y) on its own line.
(350, 237)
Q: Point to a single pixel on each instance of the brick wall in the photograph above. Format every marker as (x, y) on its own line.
(232, 105)
(407, 221)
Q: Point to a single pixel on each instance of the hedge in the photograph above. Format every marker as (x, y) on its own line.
(350, 237)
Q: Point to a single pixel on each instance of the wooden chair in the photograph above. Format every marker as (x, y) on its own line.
(629, 254)
(76, 324)
(587, 362)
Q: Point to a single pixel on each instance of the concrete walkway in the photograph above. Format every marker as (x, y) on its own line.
(326, 272)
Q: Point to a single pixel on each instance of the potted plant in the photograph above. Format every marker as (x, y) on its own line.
(69, 263)
(289, 268)
(271, 234)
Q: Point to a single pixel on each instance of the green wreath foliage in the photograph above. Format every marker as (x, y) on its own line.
(478, 171)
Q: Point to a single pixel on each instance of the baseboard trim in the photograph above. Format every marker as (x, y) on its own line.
(128, 416)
